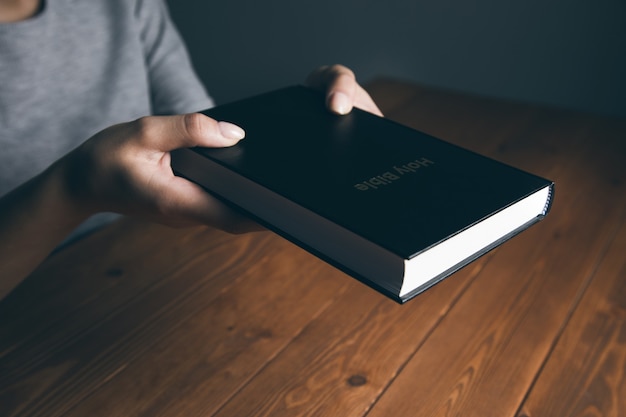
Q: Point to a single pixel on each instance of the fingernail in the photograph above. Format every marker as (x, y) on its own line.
(231, 131)
(340, 103)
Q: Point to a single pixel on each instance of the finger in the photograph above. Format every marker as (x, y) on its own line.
(342, 89)
(165, 133)
(364, 102)
(186, 203)
(339, 84)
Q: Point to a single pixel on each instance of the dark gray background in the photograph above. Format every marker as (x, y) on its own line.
(561, 53)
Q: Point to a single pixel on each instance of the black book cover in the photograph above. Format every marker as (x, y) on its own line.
(402, 190)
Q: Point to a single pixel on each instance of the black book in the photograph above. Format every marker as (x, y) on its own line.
(393, 207)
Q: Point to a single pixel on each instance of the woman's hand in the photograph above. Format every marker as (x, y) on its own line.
(126, 169)
(342, 90)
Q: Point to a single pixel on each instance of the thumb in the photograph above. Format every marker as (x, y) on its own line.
(166, 133)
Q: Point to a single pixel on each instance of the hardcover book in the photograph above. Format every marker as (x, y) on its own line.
(393, 207)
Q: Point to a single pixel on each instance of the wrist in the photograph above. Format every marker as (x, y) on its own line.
(68, 182)
(36, 217)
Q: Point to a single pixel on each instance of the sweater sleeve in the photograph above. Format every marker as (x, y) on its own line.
(174, 86)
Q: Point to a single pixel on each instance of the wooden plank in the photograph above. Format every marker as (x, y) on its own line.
(197, 322)
(586, 373)
(320, 381)
(485, 353)
(114, 320)
(74, 351)
(346, 357)
(217, 362)
(114, 278)
(346, 376)
(208, 357)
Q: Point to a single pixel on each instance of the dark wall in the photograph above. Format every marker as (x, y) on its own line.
(561, 53)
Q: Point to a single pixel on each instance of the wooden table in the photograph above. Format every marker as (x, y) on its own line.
(142, 320)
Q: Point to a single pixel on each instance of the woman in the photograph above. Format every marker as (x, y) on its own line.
(69, 69)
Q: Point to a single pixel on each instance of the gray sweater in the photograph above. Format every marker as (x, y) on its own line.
(80, 66)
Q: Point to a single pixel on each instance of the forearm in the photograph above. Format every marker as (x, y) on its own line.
(126, 169)
(34, 218)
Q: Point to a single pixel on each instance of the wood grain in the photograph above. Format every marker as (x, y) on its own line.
(347, 356)
(143, 320)
(585, 375)
(485, 354)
